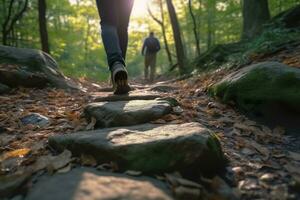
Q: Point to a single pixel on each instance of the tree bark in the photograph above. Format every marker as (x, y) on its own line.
(11, 19)
(42, 6)
(177, 37)
(195, 28)
(163, 29)
(211, 9)
(255, 14)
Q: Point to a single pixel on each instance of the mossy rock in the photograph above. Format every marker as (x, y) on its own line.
(268, 90)
(149, 148)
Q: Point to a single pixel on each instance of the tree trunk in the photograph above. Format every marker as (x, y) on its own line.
(12, 18)
(163, 29)
(177, 37)
(43, 25)
(255, 14)
(195, 28)
(211, 9)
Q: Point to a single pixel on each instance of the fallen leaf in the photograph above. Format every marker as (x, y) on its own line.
(261, 149)
(15, 153)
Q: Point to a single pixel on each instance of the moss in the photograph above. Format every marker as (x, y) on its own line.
(259, 87)
(162, 157)
(214, 145)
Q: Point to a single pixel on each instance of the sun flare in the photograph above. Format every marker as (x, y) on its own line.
(140, 8)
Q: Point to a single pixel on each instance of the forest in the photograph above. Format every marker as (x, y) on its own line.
(72, 32)
(218, 118)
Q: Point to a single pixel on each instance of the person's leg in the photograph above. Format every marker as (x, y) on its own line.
(146, 67)
(125, 8)
(153, 67)
(109, 11)
(109, 30)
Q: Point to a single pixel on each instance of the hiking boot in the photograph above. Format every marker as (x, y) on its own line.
(119, 77)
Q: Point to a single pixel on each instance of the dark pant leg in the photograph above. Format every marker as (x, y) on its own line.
(125, 8)
(108, 11)
(153, 67)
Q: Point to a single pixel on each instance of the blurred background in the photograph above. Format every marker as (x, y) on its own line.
(74, 31)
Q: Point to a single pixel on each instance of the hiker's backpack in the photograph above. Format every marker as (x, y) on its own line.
(152, 45)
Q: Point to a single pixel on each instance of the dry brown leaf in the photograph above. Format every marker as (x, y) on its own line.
(261, 149)
(15, 153)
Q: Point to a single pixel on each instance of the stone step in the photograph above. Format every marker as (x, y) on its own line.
(89, 184)
(126, 113)
(101, 97)
(163, 88)
(148, 148)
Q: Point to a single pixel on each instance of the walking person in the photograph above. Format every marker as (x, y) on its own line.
(115, 15)
(150, 49)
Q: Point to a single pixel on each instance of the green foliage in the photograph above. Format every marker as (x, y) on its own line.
(214, 144)
(236, 54)
(75, 41)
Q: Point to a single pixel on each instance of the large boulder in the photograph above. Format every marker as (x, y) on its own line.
(268, 90)
(126, 113)
(30, 68)
(149, 148)
(90, 184)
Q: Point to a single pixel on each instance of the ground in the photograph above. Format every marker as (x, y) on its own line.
(263, 163)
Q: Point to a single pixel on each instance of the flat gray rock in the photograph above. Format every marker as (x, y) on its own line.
(126, 113)
(89, 184)
(11, 185)
(148, 147)
(35, 119)
(163, 88)
(129, 97)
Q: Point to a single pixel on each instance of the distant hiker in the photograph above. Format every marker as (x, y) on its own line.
(115, 15)
(150, 48)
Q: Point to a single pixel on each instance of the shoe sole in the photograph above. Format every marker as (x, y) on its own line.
(121, 83)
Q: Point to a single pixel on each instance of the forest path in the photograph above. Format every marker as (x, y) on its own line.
(163, 150)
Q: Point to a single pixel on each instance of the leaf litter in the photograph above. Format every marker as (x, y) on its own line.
(259, 162)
